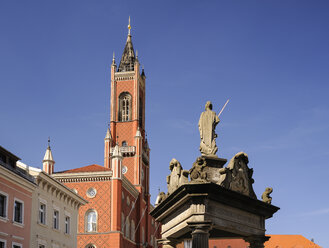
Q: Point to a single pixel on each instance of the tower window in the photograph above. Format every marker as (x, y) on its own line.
(91, 221)
(124, 143)
(124, 107)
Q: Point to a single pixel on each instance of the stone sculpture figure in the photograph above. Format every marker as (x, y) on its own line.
(160, 198)
(237, 176)
(177, 177)
(207, 124)
(266, 195)
(197, 173)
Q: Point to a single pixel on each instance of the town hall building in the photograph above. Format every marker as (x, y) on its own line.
(117, 212)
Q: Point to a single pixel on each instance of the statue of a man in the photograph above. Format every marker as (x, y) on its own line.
(207, 124)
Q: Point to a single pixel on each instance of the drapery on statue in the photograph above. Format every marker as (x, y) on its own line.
(207, 124)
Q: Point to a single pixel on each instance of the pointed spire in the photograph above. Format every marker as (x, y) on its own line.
(138, 133)
(113, 59)
(108, 134)
(128, 57)
(48, 155)
(116, 151)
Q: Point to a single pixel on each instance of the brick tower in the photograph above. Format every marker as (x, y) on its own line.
(117, 214)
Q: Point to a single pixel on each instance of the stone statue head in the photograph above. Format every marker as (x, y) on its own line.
(172, 164)
(208, 105)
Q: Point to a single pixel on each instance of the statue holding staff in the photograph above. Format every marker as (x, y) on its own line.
(207, 125)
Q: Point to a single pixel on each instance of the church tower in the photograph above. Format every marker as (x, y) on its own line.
(117, 212)
(127, 119)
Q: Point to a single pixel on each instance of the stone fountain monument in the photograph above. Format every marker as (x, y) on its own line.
(210, 200)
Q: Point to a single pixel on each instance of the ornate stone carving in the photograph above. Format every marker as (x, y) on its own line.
(237, 176)
(197, 173)
(266, 195)
(207, 124)
(177, 177)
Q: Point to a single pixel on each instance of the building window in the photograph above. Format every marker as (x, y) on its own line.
(122, 222)
(127, 224)
(56, 220)
(124, 143)
(67, 224)
(42, 246)
(124, 107)
(132, 231)
(42, 213)
(3, 205)
(91, 221)
(16, 245)
(3, 243)
(18, 211)
(91, 246)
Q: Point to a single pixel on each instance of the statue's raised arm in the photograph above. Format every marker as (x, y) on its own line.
(207, 125)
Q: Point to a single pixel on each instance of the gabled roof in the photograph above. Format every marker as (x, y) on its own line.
(88, 168)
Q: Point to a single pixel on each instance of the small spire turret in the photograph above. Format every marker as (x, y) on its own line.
(48, 160)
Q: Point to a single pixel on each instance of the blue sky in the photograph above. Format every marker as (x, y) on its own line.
(270, 58)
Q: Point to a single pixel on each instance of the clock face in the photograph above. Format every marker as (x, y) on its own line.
(91, 192)
(124, 169)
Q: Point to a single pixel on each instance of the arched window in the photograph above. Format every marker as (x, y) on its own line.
(132, 232)
(124, 107)
(124, 143)
(127, 228)
(91, 221)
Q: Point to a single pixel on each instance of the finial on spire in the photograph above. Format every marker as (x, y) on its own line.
(136, 54)
(48, 142)
(129, 27)
(113, 57)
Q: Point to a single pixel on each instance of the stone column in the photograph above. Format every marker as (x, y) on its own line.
(200, 233)
(256, 241)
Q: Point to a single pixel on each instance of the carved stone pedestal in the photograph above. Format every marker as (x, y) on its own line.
(200, 233)
(214, 163)
(256, 241)
(207, 210)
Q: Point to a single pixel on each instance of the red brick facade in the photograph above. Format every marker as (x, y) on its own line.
(118, 192)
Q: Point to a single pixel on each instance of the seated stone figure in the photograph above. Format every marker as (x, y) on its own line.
(266, 195)
(177, 177)
(237, 176)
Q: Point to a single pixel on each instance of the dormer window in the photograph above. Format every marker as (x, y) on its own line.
(124, 107)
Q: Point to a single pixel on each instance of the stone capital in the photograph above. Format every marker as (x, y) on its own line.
(257, 241)
(166, 243)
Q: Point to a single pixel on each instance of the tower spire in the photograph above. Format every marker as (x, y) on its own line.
(129, 27)
(48, 161)
(128, 56)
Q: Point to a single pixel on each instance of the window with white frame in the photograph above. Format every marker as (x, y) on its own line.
(16, 245)
(67, 224)
(3, 243)
(3, 205)
(56, 219)
(18, 211)
(42, 213)
(91, 221)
